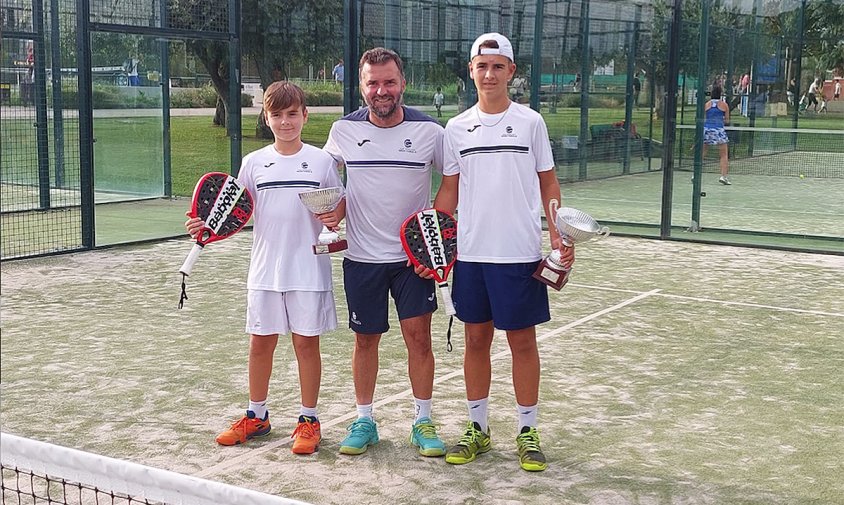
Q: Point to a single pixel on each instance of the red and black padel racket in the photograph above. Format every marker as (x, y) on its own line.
(429, 238)
(224, 204)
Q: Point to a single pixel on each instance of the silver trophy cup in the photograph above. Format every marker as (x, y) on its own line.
(574, 227)
(320, 201)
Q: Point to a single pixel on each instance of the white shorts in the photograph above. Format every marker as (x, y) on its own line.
(306, 313)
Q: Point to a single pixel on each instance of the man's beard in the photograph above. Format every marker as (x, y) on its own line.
(384, 111)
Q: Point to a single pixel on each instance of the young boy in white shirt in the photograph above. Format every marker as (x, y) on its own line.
(289, 287)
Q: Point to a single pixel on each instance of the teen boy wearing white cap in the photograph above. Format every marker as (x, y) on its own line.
(497, 159)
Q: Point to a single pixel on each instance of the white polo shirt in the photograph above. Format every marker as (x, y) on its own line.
(284, 229)
(388, 178)
(498, 157)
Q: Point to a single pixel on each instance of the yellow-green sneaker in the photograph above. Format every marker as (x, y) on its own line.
(472, 443)
(530, 455)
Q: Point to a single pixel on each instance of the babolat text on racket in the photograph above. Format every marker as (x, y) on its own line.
(429, 238)
(225, 206)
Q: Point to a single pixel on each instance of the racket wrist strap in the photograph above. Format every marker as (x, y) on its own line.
(184, 295)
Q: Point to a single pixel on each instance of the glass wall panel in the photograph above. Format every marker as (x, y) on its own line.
(40, 197)
(773, 66)
(128, 138)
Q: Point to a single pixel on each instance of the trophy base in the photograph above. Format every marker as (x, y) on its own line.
(340, 245)
(551, 276)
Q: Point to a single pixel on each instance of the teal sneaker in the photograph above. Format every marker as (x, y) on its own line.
(424, 436)
(530, 455)
(472, 443)
(362, 434)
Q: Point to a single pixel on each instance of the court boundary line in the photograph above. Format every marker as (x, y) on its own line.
(712, 300)
(688, 205)
(240, 459)
(640, 295)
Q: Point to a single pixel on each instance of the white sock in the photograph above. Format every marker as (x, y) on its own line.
(527, 416)
(308, 411)
(259, 408)
(478, 413)
(365, 411)
(423, 408)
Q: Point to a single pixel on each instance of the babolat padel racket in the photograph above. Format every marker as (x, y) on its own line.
(429, 238)
(225, 206)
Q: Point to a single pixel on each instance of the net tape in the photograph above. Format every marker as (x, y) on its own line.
(772, 151)
(64, 473)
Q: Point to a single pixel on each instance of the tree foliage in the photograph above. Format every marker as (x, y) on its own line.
(279, 33)
(738, 39)
(275, 34)
(823, 36)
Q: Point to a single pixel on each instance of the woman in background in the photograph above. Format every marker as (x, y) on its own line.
(717, 114)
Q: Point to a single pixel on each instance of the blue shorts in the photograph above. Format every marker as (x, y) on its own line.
(367, 286)
(506, 294)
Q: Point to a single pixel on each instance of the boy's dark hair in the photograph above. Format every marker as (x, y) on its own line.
(439, 88)
(490, 44)
(379, 56)
(281, 95)
(716, 92)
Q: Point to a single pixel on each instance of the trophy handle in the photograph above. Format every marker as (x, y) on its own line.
(553, 205)
(604, 232)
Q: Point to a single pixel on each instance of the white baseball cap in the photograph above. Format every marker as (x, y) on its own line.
(504, 47)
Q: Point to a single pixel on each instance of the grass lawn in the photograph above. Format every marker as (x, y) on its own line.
(128, 150)
(199, 147)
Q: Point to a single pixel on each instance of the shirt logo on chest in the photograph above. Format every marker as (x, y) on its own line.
(470, 130)
(304, 168)
(508, 132)
(408, 147)
(362, 142)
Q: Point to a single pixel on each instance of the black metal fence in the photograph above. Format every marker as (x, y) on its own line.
(68, 150)
(87, 87)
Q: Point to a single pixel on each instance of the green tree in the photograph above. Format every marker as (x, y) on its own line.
(823, 34)
(280, 33)
(275, 34)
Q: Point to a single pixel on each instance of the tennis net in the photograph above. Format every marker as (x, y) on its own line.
(36, 472)
(784, 152)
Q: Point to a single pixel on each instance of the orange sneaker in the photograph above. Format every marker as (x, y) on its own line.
(247, 427)
(306, 436)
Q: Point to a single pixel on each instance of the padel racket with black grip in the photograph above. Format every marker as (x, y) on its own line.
(225, 206)
(429, 238)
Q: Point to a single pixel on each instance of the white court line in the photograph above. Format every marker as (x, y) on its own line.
(688, 205)
(241, 460)
(755, 305)
(712, 300)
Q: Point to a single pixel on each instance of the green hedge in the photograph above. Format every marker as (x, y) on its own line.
(121, 97)
(315, 97)
(416, 96)
(185, 98)
(603, 101)
(107, 97)
(318, 95)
